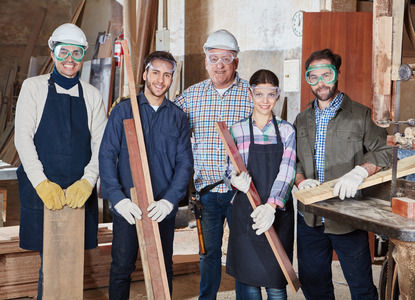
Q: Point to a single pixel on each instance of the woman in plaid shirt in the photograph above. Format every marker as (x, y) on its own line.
(267, 145)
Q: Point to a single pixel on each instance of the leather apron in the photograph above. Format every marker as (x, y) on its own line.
(250, 258)
(63, 145)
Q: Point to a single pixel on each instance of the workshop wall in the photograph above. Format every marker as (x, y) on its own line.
(262, 28)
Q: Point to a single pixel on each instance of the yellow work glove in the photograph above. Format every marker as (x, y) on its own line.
(78, 193)
(51, 194)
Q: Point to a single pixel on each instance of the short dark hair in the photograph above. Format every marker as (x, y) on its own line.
(335, 59)
(163, 55)
(264, 76)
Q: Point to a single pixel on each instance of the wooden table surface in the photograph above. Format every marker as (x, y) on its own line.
(370, 214)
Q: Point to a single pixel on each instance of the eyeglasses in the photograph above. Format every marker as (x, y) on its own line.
(265, 92)
(150, 66)
(61, 52)
(225, 57)
(328, 77)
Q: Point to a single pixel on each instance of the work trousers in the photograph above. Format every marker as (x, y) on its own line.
(249, 292)
(216, 207)
(315, 252)
(124, 254)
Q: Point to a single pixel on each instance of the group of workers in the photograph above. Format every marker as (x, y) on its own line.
(65, 142)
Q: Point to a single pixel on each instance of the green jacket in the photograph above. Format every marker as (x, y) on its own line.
(352, 139)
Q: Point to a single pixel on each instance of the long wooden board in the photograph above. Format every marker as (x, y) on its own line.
(324, 191)
(63, 253)
(142, 182)
(255, 200)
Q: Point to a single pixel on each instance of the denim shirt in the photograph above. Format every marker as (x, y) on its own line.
(169, 154)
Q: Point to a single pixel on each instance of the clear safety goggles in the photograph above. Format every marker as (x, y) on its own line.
(150, 66)
(265, 92)
(61, 52)
(328, 77)
(225, 57)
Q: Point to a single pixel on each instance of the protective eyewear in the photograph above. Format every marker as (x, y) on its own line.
(268, 92)
(150, 66)
(225, 57)
(61, 52)
(328, 77)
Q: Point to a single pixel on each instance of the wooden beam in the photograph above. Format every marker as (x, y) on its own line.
(63, 253)
(404, 207)
(398, 8)
(255, 200)
(142, 182)
(324, 191)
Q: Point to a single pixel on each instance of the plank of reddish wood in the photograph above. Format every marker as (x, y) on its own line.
(63, 253)
(142, 182)
(404, 207)
(350, 35)
(324, 191)
(255, 200)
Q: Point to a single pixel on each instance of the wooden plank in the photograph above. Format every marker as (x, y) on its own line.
(324, 191)
(404, 207)
(174, 89)
(255, 200)
(382, 56)
(398, 8)
(3, 206)
(141, 239)
(350, 35)
(142, 182)
(63, 253)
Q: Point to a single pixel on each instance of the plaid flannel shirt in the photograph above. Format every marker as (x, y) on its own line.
(281, 188)
(204, 106)
(323, 117)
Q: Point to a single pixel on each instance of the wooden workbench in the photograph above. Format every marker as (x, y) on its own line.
(370, 214)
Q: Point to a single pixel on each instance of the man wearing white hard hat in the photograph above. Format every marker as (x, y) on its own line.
(58, 129)
(222, 97)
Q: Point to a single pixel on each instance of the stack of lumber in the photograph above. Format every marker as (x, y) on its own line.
(19, 269)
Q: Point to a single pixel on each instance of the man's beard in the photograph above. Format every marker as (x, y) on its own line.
(330, 95)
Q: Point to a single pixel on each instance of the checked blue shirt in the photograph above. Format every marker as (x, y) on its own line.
(323, 117)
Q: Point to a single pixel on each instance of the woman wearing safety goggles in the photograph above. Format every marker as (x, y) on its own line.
(267, 145)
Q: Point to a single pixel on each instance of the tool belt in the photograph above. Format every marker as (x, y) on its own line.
(206, 189)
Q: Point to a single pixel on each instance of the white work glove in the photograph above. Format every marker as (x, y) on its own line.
(308, 183)
(158, 210)
(128, 210)
(347, 185)
(263, 216)
(241, 181)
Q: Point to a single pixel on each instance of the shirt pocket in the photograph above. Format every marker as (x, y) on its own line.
(348, 145)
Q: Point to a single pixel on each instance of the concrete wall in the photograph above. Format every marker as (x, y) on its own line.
(263, 29)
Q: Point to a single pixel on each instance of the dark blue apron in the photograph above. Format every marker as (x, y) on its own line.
(250, 258)
(63, 145)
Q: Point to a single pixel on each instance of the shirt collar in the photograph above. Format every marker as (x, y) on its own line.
(143, 100)
(334, 104)
(235, 82)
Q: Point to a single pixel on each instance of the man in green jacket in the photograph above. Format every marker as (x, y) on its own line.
(336, 138)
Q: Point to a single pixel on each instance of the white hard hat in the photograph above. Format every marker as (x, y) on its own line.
(221, 39)
(68, 33)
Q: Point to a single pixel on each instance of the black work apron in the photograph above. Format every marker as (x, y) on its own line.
(63, 145)
(250, 258)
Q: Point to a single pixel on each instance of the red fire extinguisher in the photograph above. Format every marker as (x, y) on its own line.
(118, 49)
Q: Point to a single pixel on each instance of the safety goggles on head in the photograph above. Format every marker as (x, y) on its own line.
(225, 57)
(61, 52)
(262, 92)
(328, 77)
(173, 63)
